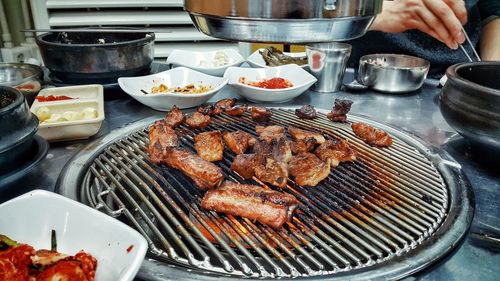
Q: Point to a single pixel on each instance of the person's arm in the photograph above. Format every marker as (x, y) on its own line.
(489, 45)
(441, 19)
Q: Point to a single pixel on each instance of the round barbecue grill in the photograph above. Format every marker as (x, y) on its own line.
(390, 213)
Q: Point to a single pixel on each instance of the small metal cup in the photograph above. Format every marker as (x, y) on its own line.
(327, 62)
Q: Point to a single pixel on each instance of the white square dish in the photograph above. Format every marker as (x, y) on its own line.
(30, 218)
(195, 60)
(83, 96)
(300, 79)
(176, 77)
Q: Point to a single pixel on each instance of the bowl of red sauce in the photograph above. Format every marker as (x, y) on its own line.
(270, 84)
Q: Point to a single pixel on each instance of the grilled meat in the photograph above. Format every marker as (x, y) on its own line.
(262, 150)
(282, 152)
(238, 141)
(261, 114)
(273, 172)
(161, 136)
(204, 174)
(198, 120)
(339, 111)
(333, 152)
(372, 136)
(237, 110)
(299, 134)
(209, 109)
(253, 202)
(175, 117)
(303, 145)
(225, 103)
(307, 169)
(306, 112)
(244, 165)
(209, 145)
(270, 132)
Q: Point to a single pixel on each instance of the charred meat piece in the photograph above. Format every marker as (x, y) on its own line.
(262, 150)
(303, 145)
(308, 170)
(175, 117)
(272, 172)
(244, 165)
(253, 202)
(209, 109)
(372, 136)
(238, 141)
(270, 132)
(224, 104)
(339, 111)
(333, 152)
(161, 136)
(198, 120)
(209, 145)
(237, 110)
(261, 114)
(204, 174)
(306, 112)
(299, 134)
(282, 152)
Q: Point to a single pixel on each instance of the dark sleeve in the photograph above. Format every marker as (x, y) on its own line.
(489, 8)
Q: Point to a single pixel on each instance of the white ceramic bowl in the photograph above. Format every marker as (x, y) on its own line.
(300, 79)
(193, 60)
(256, 60)
(30, 218)
(180, 76)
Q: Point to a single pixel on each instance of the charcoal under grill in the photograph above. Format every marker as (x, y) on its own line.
(388, 214)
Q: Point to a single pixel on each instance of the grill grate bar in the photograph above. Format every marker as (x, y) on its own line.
(384, 204)
(178, 210)
(164, 242)
(385, 155)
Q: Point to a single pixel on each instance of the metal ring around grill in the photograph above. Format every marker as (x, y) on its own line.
(394, 213)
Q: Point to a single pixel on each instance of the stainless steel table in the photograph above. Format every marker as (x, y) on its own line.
(476, 259)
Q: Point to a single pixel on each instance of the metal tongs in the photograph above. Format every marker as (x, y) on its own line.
(443, 79)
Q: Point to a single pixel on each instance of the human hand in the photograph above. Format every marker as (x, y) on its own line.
(441, 19)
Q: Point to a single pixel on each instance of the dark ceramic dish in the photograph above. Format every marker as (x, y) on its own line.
(18, 126)
(470, 101)
(96, 57)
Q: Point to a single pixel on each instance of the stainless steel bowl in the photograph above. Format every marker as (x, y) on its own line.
(470, 101)
(27, 78)
(289, 21)
(392, 73)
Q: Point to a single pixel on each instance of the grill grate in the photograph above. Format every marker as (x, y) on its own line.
(381, 206)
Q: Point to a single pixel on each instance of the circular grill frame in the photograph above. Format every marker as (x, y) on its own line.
(447, 237)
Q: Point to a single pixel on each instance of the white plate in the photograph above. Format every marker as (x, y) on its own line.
(180, 76)
(256, 60)
(300, 79)
(85, 96)
(193, 60)
(30, 218)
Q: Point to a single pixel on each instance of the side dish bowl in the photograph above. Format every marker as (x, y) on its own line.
(470, 101)
(300, 79)
(197, 60)
(392, 73)
(83, 97)
(256, 60)
(30, 218)
(139, 88)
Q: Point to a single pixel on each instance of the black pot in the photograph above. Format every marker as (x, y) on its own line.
(79, 58)
(470, 101)
(18, 127)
